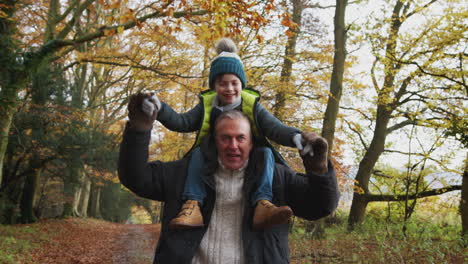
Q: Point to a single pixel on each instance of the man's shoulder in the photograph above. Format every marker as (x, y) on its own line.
(172, 164)
(170, 172)
(172, 169)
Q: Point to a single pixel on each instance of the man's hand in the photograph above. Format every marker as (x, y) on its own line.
(149, 104)
(138, 120)
(316, 163)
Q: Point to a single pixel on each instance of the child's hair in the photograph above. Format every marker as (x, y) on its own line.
(227, 61)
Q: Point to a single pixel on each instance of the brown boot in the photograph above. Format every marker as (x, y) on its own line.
(189, 216)
(267, 215)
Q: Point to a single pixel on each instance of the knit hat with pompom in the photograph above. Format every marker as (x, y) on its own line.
(227, 61)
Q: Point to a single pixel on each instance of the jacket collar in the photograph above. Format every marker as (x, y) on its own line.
(226, 107)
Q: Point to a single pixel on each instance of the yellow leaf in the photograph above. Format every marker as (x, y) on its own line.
(120, 29)
(109, 32)
(114, 5)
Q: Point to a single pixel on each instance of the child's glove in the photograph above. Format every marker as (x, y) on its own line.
(298, 140)
(138, 119)
(318, 163)
(148, 105)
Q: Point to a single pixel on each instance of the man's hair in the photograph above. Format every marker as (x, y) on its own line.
(233, 115)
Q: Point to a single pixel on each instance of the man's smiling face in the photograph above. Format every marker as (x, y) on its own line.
(233, 141)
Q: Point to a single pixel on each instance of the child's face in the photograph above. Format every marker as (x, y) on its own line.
(228, 87)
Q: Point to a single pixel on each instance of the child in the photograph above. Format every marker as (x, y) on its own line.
(228, 91)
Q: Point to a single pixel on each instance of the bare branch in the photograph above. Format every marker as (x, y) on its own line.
(363, 142)
(374, 80)
(142, 67)
(56, 44)
(435, 74)
(403, 87)
(379, 173)
(68, 26)
(308, 4)
(401, 124)
(308, 96)
(363, 113)
(421, 8)
(404, 197)
(461, 59)
(69, 9)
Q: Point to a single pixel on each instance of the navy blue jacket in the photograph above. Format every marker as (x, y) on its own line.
(310, 196)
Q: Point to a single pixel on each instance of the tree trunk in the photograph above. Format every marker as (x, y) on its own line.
(27, 197)
(83, 209)
(149, 208)
(385, 107)
(76, 200)
(336, 82)
(39, 89)
(6, 117)
(11, 212)
(38, 69)
(289, 56)
(336, 86)
(72, 189)
(98, 203)
(68, 204)
(94, 201)
(12, 75)
(359, 203)
(317, 228)
(72, 192)
(464, 205)
(358, 210)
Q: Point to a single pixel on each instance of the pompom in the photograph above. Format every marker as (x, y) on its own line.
(227, 45)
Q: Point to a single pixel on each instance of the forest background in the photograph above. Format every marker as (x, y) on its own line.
(383, 81)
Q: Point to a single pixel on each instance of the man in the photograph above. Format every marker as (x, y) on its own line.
(228, 236)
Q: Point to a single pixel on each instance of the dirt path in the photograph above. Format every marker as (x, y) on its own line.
(91, 241)
(136, 245)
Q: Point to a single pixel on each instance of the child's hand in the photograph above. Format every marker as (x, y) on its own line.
(138, 119)
(316, 163)
(298, 140)
(149, 103)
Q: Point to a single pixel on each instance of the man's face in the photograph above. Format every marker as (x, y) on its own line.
(228, 88)
(233, 141)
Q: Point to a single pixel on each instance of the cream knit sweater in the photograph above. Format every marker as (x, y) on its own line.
(222, 242)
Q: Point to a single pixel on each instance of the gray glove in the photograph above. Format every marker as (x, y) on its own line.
(298, 140)
(318, 162)
(138, 119)
(148, 105)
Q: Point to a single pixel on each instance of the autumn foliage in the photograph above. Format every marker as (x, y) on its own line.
(67, 69)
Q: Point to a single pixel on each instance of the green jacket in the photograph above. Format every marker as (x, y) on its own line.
(198, 118)
(249, 99)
